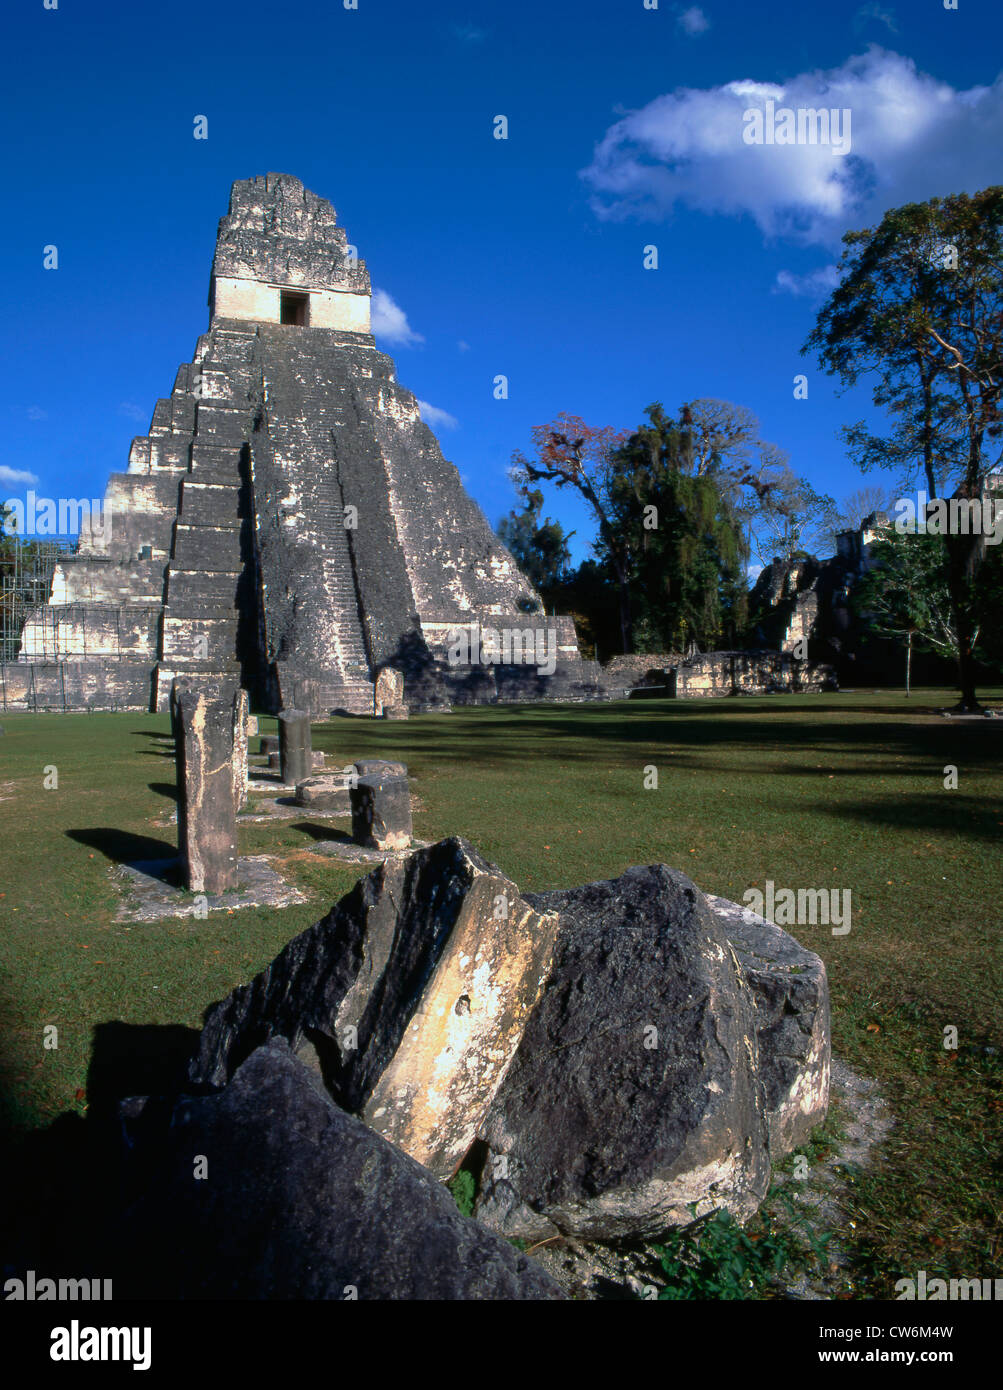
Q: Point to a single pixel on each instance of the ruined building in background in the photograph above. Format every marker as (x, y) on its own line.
(804, 607)
(289, 520)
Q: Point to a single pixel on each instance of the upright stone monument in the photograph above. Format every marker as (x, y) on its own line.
(295, 753)
(389, 690)
(204, 720)
(381, 811)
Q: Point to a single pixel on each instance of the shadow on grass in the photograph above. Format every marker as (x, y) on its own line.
(496, 736)
(122, 846)
(945, 814)
(322, 832)
(168, 789)
(70, 1178)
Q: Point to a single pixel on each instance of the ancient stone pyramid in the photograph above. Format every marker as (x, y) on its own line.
(289, 520)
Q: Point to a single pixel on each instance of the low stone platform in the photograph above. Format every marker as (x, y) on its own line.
(350, 853)
(153, 890)
(271, 808)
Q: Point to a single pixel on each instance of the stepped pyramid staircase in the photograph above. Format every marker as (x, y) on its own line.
(211, 625)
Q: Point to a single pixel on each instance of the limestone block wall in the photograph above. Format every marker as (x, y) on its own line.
(258, 302)
(747, 673)
(72, 685)
(81, 632)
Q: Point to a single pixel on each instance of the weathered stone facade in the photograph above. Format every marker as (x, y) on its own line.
(289, 520)
(746, 673)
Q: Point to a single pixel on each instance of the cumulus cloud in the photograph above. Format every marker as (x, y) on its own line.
(912, 137)
(816, 284)
(16, 477)
(693, 21)
(389, 321)
(436, 418)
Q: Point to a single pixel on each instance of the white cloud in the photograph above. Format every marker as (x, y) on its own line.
(817, 283)
(133, 412)
(16, 477)
(693, 21)
(390, 321)
(463, 345)
(436, 418)
(913, 137)
(35, 412)
(880, 16)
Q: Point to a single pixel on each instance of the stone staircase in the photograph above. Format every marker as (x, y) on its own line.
(198, 635)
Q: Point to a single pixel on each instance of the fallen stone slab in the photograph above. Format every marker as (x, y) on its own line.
(635, 1089)
(381, 812)
(791, 994)
(351, 853)
(409, 998)
(154, 890)
(328, 793)
(298, 1200)
(380, 767)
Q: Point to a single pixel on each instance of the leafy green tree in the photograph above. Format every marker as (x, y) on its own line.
(539, 548)
(906, 596)
(684, 536)
(919, 309)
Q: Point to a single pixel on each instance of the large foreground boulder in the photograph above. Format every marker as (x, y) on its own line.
(409, 998)
(791, 994)
(635, 1089)
(269, 1191)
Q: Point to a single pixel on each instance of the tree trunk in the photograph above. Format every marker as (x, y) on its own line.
(626, 625)
(958, 568)
(908, 665)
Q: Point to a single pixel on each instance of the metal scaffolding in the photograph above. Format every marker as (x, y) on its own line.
(26, 569)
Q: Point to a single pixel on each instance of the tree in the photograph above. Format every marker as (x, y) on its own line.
(919, 308)
(573, 454)
(855, 509)
(685, 541)
(782, 513)
(539, 548)
(792, 520)
(907, 594)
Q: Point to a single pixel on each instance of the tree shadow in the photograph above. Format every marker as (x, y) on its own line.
(944, 814)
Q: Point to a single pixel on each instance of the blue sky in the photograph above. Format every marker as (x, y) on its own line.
(520, 257)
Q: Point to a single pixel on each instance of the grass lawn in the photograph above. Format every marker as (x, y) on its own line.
(825, 791)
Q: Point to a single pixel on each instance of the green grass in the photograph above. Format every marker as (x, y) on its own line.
(842, 791)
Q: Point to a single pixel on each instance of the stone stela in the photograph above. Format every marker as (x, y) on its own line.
(210, 732)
